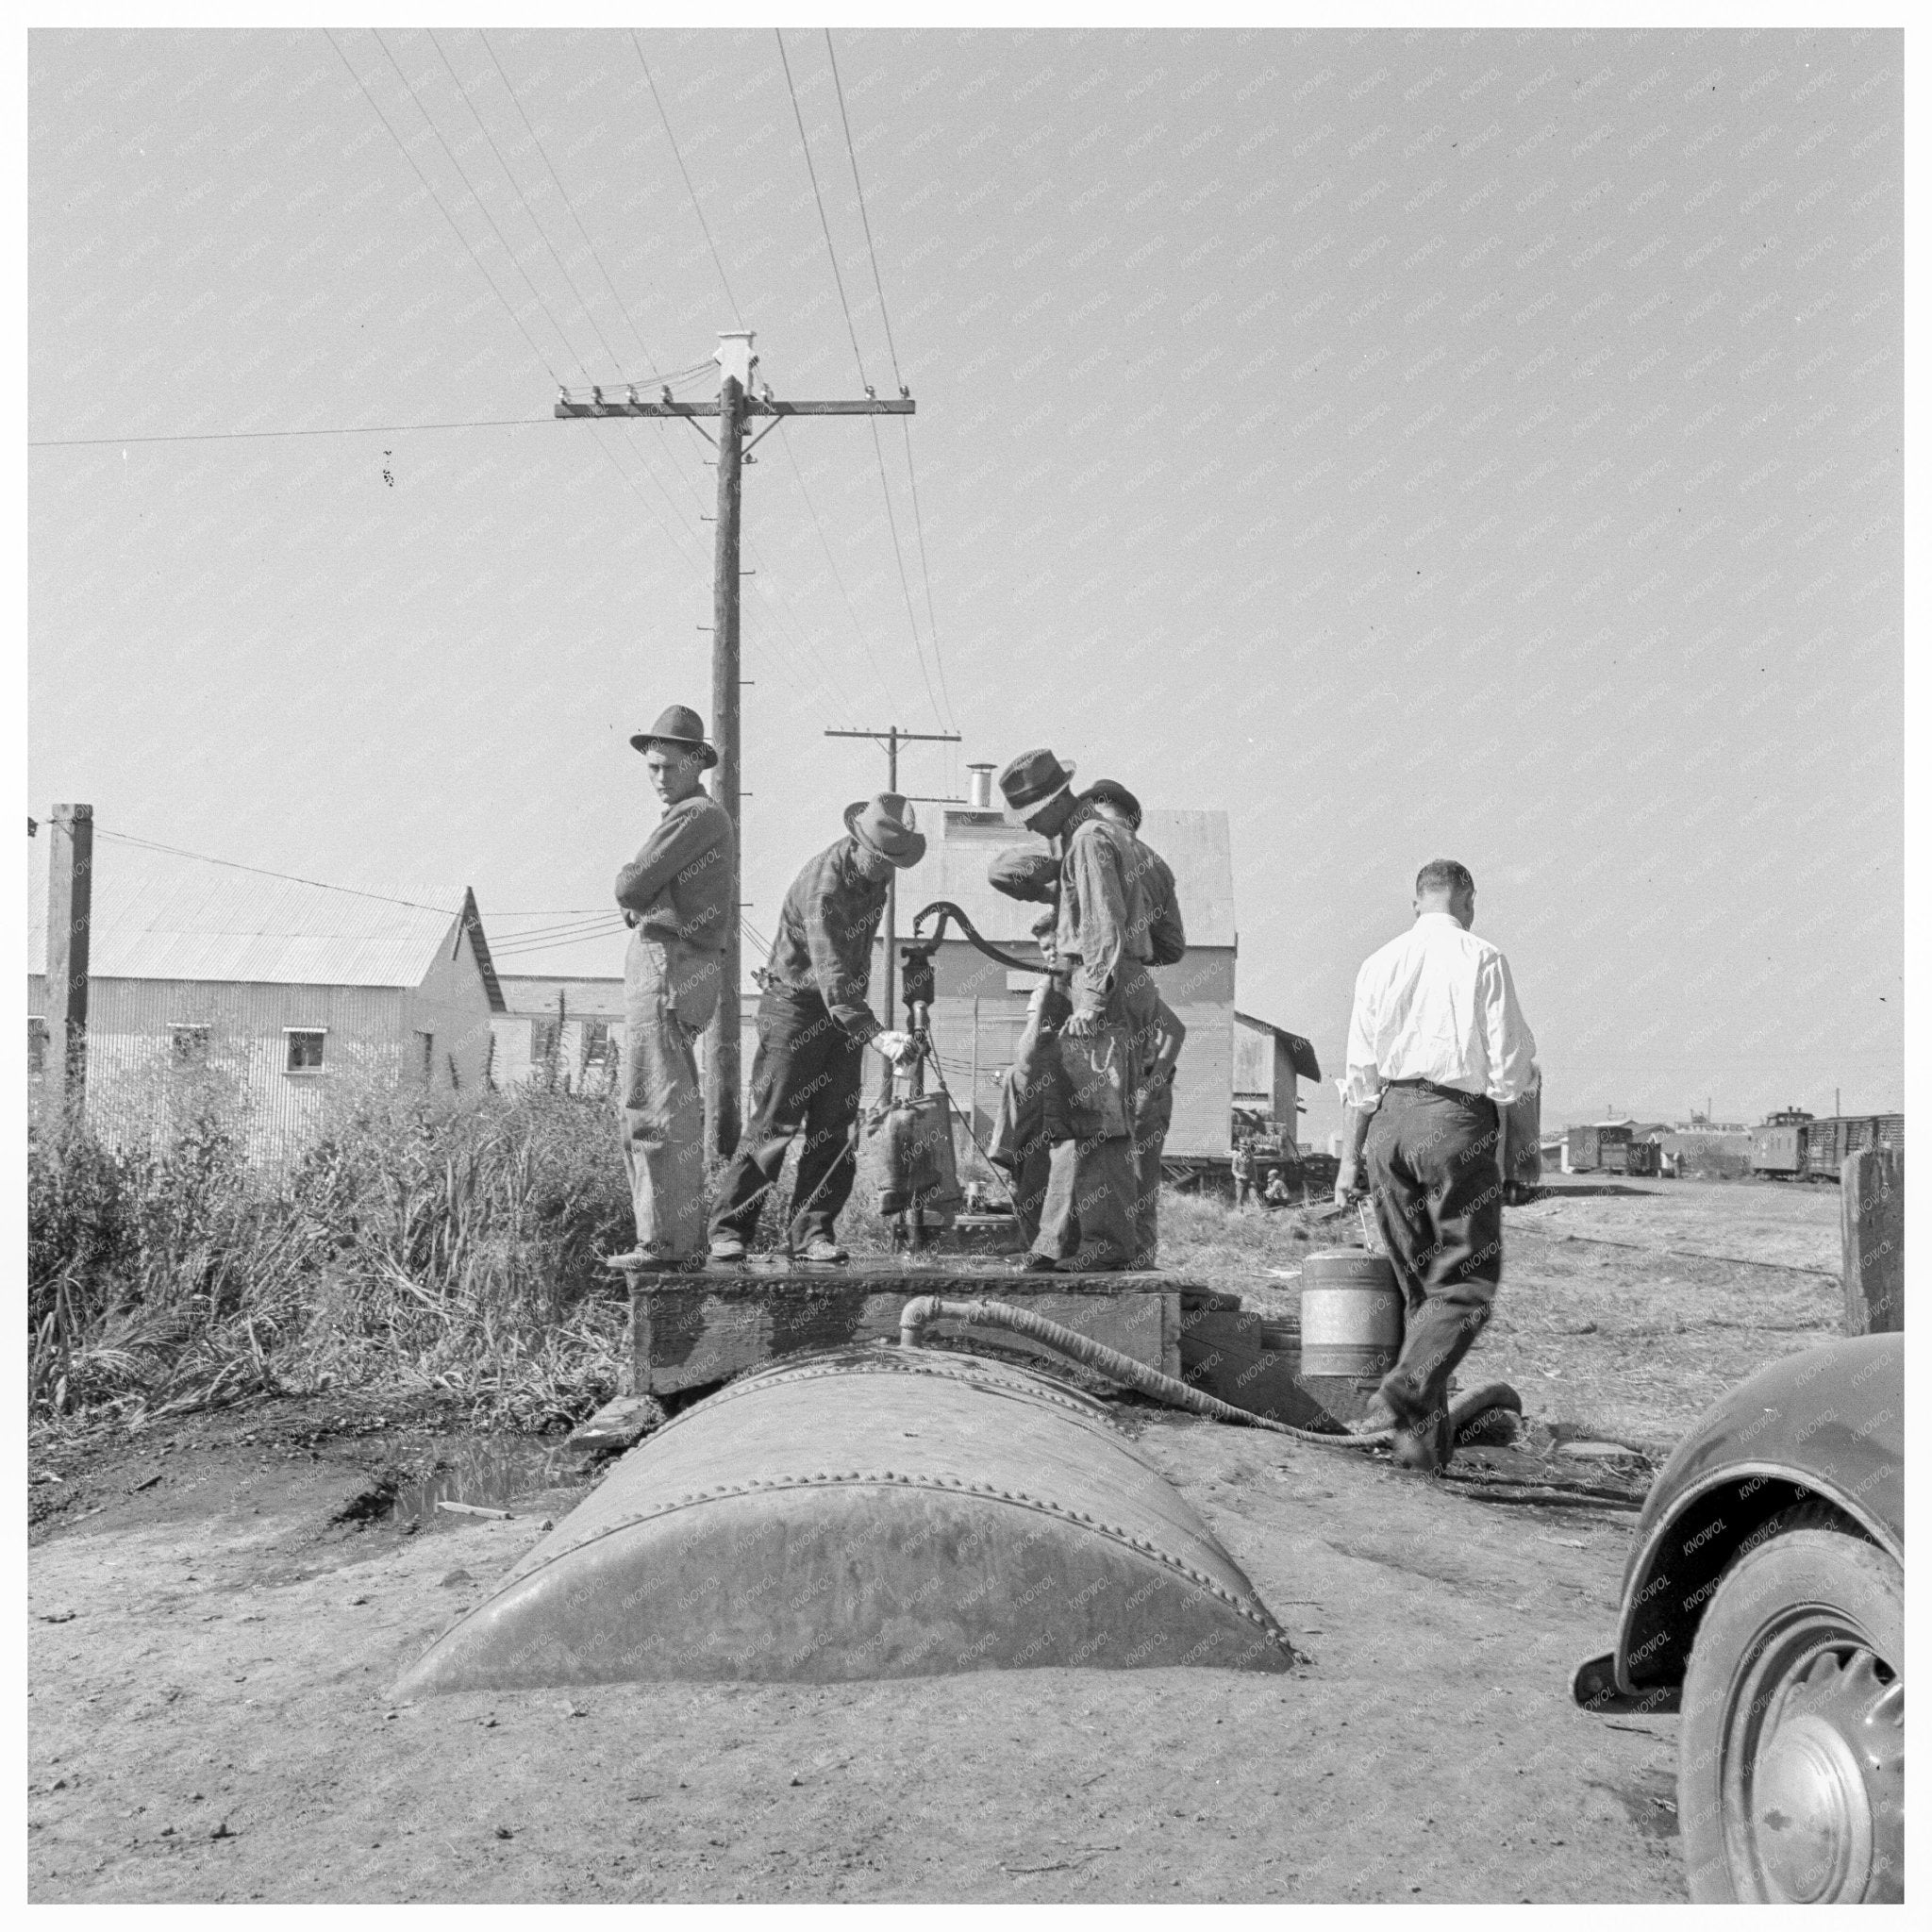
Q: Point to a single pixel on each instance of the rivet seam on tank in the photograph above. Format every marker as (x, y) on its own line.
(897, 1363)
(1255, 1614)
(1081, 1407)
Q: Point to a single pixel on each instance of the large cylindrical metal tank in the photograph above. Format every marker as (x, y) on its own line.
(868, 1512)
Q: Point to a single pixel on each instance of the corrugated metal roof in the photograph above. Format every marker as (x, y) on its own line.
(1195, 843)
(158, 915)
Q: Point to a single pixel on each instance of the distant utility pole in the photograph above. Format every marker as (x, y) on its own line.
(893, 738)
(70, 910)
(736, 404)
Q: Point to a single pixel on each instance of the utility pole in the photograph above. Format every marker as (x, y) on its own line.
(893, 738)
(735, 407)
(70, 912)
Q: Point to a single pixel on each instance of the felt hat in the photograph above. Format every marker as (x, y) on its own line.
(1111, 791)
(677, 724)
(1023, 873)
(1031, 780)
(888, 826)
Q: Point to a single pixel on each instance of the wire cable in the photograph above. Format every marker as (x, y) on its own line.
(723, 278)
(516, 188)
(878, 448)
(853, 154)
(832, 563)
(543, 153)
(481, 204)
(891, 350)
(444, 211)
(251, 435)
(262, 871)
(805, 147)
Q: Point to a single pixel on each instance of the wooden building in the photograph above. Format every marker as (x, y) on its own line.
(266, 992)
(1267, 1059)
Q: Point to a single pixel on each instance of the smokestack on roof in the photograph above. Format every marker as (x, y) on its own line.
(980, 788)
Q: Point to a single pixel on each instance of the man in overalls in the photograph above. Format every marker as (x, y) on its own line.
(1100, 937)
(676, 900)
(1160, 1048)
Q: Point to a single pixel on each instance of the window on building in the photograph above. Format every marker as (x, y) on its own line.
(191, 1044)
(36, 1046)
(304, 1049)
(426, 1041)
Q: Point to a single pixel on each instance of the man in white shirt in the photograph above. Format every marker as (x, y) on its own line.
(1437, 1049)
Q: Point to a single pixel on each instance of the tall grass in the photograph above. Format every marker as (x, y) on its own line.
(421, 1243)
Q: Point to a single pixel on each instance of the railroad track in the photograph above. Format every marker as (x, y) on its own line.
(1594, 1241)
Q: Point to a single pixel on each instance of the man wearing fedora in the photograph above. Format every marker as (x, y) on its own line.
(1160, 1048)
(676, 899)
(814, 1025)
(1101, 939)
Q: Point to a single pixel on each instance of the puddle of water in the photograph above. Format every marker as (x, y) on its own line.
(494, 1475)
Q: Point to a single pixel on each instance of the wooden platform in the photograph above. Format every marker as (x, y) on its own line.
(691, 1327)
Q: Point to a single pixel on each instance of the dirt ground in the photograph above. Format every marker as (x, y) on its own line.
(218, 1611)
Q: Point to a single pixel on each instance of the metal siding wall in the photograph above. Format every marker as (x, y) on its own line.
(134, 1088)
(453, 1004)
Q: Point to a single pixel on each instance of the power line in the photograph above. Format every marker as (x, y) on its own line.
(481, 204)
(292, 879)
(805, 147)
(878, 448)
(853, 155)
(444, 211)
(568, 203)
(717, 262)
(832, 563)
(926, 573)
(891, 350)
(251, 435)
(516, 188)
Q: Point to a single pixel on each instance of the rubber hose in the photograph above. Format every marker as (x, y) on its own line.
(927, 1309)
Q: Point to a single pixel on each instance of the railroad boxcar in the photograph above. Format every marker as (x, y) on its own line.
(1793, 1145)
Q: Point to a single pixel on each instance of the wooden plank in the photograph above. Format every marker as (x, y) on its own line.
(619, 1424)
(689, 1335)
(1873, 1206)
(956, 1277)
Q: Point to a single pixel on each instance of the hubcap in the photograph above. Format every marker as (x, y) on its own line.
(1815, 1769)
(1813, 1821)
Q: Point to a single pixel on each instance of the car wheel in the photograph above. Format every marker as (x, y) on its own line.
(1790, 1761)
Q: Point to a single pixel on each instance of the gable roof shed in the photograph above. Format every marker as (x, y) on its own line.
(167, 915)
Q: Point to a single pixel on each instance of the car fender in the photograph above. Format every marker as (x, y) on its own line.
(1826, 1423)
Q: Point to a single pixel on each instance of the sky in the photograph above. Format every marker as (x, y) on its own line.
(1414, 444)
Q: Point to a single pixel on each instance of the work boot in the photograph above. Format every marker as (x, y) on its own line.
(726, 1246)
(645, 1254)
(1035, 1264)
(823, 1248)
(1425, 1449)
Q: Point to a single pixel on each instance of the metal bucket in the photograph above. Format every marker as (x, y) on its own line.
(867, 1512)
(1351, 1314)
